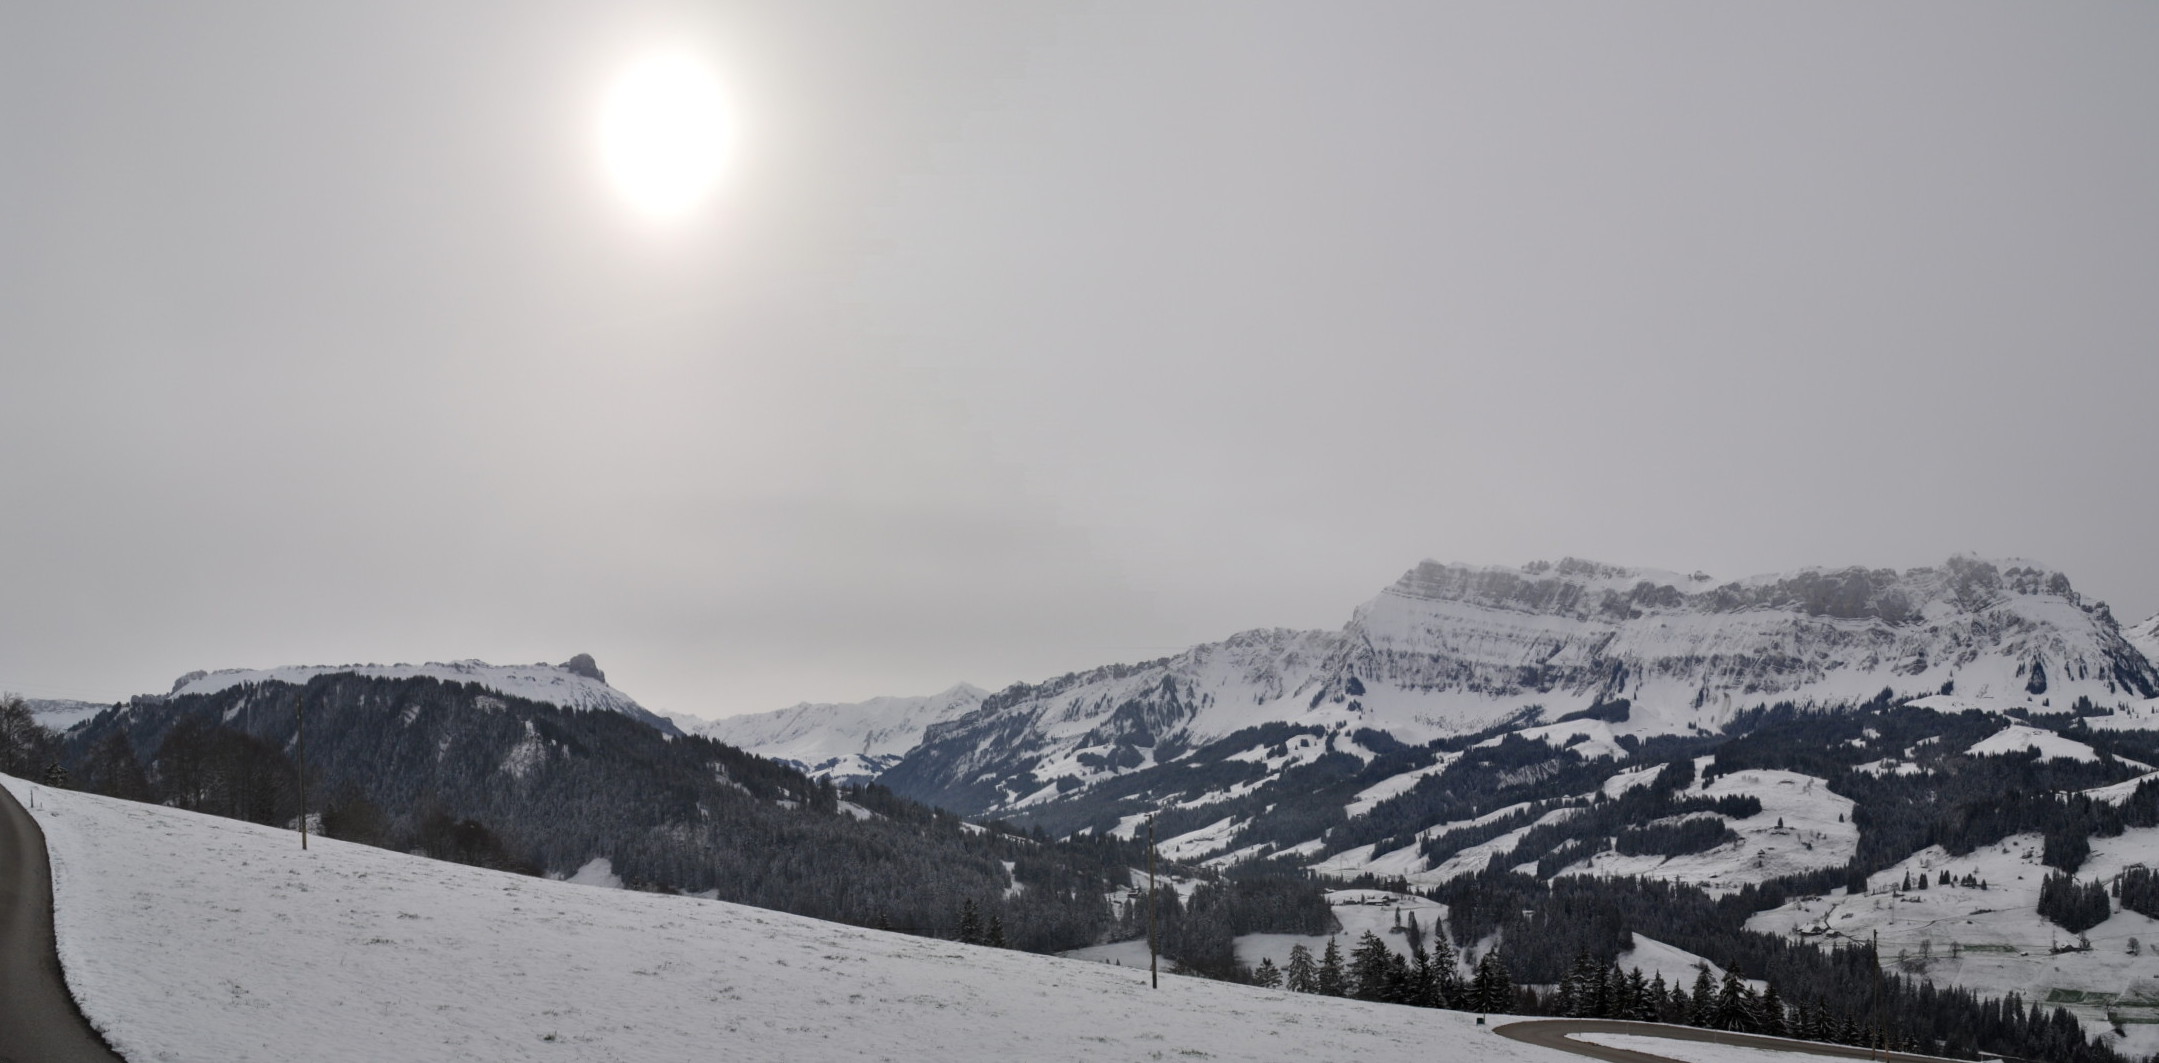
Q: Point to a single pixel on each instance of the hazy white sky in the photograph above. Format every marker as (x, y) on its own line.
(1025, 338)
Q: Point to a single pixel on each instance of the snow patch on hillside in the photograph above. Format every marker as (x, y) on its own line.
(1589, 739)
(2017, 737)
(1802, 826)
(2121, 791)
(1675, 965)
(1395, 786)
(598, 871)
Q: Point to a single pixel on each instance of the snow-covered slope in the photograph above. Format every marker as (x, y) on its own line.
(194, 938)
(1450, 649)
(846, 742)
(1802, 827)
(574, 684)
(2144, 635)
(2017, 738)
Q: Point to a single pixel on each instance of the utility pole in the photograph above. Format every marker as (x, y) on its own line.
(1154, 968)
(299, 715)
(1881, 1023)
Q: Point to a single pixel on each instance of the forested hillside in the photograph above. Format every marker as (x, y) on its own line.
(466, 773)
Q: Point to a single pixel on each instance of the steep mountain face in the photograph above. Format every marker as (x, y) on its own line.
(1451, 650)
(576, 684)
(843, 742)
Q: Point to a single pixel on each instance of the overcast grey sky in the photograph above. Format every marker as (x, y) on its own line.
(1021, 338)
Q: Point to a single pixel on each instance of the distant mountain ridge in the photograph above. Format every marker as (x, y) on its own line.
(576, 684)
(1453, 649)
(846, 742)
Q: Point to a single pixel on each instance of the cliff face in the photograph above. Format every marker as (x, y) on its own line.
(1449, 649)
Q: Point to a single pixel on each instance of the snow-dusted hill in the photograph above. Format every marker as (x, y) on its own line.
(1451, 649)
(189, 937)
(844, 742)
(574, 684)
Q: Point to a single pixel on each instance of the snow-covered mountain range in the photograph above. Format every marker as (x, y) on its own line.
(843, 742)
(1455, 649)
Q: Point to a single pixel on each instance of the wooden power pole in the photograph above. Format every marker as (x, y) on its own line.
(1154, 969)
(299, 715)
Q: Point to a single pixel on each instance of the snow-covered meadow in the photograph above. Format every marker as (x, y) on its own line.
(188, 937)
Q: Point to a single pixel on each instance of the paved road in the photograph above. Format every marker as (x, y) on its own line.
(39, 1022)
(1552, 1033)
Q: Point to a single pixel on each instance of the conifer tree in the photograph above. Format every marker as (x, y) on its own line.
(1641, 998)
(1446, 990)
(1333, 981)
(1302, 975)
(1401, 983)
(1267, 975)
(970, 924)
(1492, 990)
(996, 936)
(1771, 1019)
(1703, 1003)
(1567, 997)
(1729, 1011)
(1368, 967)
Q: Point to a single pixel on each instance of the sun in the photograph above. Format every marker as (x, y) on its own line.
(665, 134)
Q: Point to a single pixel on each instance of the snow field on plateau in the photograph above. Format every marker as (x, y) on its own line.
(188, 937)
(1992, 940)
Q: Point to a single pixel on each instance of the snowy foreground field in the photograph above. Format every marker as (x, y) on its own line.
(192, 938)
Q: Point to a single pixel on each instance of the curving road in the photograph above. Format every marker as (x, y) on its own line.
(1553, 1033)
(39, 1022)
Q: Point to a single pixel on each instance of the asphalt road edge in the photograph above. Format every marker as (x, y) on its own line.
(1554, 1033)
(40, 1019)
